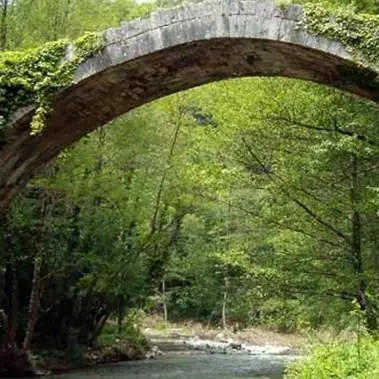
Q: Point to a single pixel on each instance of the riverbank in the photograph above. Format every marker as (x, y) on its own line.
(193, 335)
(183, 338)
(186, 355)
(46, 363)
(18, 363)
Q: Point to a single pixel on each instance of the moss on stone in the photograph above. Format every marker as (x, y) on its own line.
(358, 32)
(34, 76)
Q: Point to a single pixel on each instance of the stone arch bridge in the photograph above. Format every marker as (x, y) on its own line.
(174, 50)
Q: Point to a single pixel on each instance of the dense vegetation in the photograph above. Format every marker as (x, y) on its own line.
(247, 202)
(339, 360)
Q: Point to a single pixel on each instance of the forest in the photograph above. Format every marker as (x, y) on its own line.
(247, 202)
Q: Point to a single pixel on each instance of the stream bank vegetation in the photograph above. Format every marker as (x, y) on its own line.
(234, 211)
(339, 360)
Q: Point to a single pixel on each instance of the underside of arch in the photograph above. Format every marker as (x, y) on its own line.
(114, 91)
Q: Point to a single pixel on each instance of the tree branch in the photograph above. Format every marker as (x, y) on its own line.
(303, 206)
(336, 129)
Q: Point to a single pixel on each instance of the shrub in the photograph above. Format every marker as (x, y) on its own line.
(130, 331)
(339, 360)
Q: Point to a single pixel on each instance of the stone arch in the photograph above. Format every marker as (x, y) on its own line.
(174, 50)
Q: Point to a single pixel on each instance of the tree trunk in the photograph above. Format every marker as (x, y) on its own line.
(165, 313)
(4, 26)
(224, 303)
(356, 249)
(10, 340)
(356, 228)
(34, 302)
(99, 329)
(120, 317)
(163, 180)
(11, 288)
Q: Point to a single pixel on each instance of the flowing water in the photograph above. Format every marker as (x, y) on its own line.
(189, 366)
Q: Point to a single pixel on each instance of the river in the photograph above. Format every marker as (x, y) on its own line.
(189, 366)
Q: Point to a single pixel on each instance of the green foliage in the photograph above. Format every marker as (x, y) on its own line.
(35, 76)
(130, 331)
(358, 32)
(239, 202)
(363, 6)
(32, 23)
(340, 359)
(281, 220)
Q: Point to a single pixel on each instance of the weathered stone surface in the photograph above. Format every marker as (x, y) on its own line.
(175, 50)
